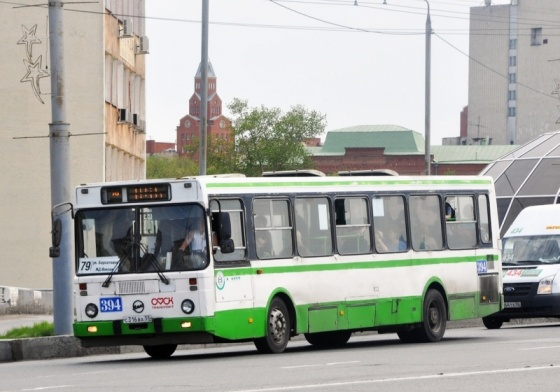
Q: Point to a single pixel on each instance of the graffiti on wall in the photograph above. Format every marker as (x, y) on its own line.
(33, 65)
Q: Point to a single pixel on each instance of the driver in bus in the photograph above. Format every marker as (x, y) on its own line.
(193, 250)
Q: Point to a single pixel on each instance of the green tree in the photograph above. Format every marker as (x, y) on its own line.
(170, 167)
(268, 139)
(220, 154)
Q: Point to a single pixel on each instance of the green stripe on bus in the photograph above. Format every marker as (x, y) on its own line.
(348, 265)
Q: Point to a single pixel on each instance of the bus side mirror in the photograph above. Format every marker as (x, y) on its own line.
(223, 224)
(54, 250)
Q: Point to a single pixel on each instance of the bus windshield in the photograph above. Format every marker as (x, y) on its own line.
(531, 250)
(141, 239)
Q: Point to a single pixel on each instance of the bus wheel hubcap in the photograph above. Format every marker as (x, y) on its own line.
(277, 325)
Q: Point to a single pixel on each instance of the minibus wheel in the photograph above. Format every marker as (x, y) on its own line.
(492, 322)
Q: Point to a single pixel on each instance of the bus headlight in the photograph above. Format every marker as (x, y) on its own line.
(545, 285)
(91, 310)
(187, 306)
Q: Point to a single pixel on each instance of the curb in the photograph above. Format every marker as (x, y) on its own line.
(65, 346)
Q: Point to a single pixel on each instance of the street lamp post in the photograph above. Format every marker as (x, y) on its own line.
(427, 89)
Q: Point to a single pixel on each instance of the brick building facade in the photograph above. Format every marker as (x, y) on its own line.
(188, 130)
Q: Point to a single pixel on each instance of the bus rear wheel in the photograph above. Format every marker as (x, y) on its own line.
(434, 318)
(328, 339)
(161, 351)
(277, 331)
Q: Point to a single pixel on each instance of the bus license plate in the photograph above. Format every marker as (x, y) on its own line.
(137, 319)
(512, 305)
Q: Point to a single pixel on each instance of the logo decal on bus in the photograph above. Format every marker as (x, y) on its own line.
(138, 306)
(220, 280)
(162, 302)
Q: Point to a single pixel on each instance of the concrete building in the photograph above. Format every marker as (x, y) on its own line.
(188, 130)
(104, 50)
(514, 71)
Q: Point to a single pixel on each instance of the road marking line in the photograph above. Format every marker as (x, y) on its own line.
(537, 348)
(319, 364)
(46, 388)
(397, 379)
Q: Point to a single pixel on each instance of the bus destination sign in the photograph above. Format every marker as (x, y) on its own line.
(136, 193)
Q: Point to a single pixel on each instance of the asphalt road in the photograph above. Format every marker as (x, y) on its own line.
(513, 358)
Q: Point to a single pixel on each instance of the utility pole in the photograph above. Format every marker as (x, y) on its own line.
(204, 91)
(427, 89)
(59, 137)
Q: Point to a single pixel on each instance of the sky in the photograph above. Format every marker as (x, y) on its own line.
(356, 62)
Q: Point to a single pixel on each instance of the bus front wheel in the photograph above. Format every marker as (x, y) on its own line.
(277, 331)
(161, 351)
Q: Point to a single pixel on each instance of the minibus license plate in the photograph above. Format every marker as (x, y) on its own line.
(512, 305)
(137, 319)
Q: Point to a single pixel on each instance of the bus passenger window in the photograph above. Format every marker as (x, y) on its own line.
(389, 224)
(352, 226)
(461, 229)
(313, 226)
(484, 219)
(425, 222)
(273, 228)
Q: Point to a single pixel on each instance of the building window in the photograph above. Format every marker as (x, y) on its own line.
(512, 95)
(512, 61)
(512, 77)
(511, 112)
(513, 43)
(536, 36)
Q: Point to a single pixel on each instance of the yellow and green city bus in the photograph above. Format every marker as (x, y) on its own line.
(230, 259)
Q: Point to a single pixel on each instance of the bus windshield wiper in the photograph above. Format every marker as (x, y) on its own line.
(117, 267)
(154, 263)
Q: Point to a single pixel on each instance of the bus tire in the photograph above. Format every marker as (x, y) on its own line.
(277, 331)
(434, 318)
(328, 339)
(161, 351)
(408, 336)
(492, 322)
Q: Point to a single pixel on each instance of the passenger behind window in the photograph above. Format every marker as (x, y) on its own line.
(355, 241)
(263, 242)
(449, 212)
(389, 241)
